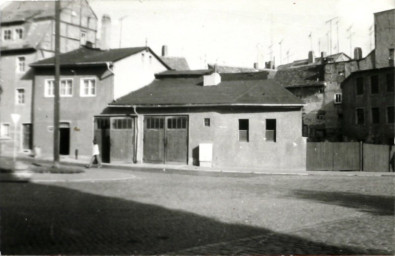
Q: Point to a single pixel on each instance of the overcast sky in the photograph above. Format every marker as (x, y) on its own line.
(240, 32)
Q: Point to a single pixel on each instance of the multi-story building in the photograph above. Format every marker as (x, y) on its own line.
(368, 94)
(28, 35)
(90, 79)
(368, 106)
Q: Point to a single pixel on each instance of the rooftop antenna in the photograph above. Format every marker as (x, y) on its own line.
(330, 33)
(371, 30)
(311, 41)
(280, 43)
(337, 35)
(350, 33)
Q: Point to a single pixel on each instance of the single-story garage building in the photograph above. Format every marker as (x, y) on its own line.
(207, 119)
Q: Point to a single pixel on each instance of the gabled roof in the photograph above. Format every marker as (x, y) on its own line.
(303, 76)
(93, 56)
(232, 91)
(176, 63)
(21, 11)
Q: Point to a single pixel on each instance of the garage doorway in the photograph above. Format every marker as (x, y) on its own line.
(165, 139)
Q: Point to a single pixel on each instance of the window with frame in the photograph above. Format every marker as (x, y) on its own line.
(19, 33)
(359, 85)
(21, 64)
(374, 84)
(88, 87)
(122, 124)
(360, 116)
(338, 98)
(375, 115)
(66, 87)
(102, 123)
(207, 122)
(390, 82)
(390, 115)
(5, 130)
(154, 123)
(83, 38)
(49, 89)
(243, 130)
(7, 34)
(177, 123)
(271, 130)
(20, 96)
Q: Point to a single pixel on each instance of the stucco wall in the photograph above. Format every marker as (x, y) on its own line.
(11, 81)
(76, 110)
(288, 153)
(384, 36)
(134, 72)
(368, 132)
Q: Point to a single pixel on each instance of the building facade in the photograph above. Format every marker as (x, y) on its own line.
(368, 106)
(208, 119)
(90, 79)
(27, 35)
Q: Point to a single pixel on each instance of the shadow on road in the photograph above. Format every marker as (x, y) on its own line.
(378, 205)
(44, 219)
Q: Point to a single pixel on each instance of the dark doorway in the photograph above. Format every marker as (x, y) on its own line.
(64, 137)
(27, 136)
(102, 135)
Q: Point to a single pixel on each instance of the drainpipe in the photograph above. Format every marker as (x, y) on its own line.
(109, 67)
(136, 128)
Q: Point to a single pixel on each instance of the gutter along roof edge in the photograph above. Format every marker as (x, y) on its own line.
(207, 105)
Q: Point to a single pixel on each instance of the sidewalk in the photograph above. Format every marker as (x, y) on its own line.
(124, 171)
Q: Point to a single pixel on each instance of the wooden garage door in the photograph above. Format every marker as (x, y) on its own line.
(165, 139)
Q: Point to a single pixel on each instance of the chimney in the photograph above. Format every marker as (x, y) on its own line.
(323, 57)
(105, 32)
(256, 65)
(357, 53)
(164, 51)
(89, 44)
(212, 79)
(311, 58)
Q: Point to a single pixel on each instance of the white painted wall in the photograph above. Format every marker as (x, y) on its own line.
(134, 72)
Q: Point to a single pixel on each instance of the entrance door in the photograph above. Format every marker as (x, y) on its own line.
(27, 136)
(102, 135)
(64, 137)
(165, 139)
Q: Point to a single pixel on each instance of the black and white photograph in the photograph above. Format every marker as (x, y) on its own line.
(197, 127)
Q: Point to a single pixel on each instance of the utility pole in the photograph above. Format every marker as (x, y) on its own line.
(56, 85)
(349, 30)
(330, 33)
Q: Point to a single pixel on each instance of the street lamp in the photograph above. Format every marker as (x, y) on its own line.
(15, 119)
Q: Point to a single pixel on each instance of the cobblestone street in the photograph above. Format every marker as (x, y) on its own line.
(193, 213)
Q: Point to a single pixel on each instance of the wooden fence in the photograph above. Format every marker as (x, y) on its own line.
(348, 156)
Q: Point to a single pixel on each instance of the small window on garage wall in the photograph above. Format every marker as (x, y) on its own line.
(102, 123)
(122, 123)
(207, 122)
(271, 130)
(155, 123)
(243, 130)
